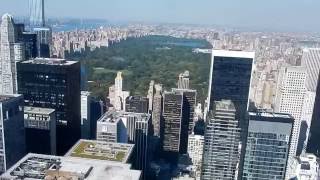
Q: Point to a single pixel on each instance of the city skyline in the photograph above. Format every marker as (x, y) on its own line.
(265, 16)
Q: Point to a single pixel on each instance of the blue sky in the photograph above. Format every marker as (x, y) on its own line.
(290, 15)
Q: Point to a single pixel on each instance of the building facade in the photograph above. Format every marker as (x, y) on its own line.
(195, 152)
(54, 83)
(190, 103)
(230, 79)
(12, 132)
(137, 104)
(175, 133)
(157, 119)
(116, 95)
(221, 143)
(290, 98)
(40, 129)
(111, 128)
(10, 53)
(268, 144)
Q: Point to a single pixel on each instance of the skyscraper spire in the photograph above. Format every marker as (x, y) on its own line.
(37, 18)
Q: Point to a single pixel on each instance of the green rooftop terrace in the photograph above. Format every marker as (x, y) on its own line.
(102, 151)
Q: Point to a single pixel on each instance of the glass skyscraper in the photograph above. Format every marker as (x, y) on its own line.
(268, 143)
(36, 8)
(230, 79)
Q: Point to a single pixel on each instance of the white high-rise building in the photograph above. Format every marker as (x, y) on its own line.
(311, 61)
(290, 98)
(85, 114)
(195, 152)
(150, 95)
(183, 82)
(116, 95)
(10, 53)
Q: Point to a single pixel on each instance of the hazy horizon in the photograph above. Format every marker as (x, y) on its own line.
(285, 15)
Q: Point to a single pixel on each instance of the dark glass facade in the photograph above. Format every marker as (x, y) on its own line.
(55, 84)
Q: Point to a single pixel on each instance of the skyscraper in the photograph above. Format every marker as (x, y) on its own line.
(291, 92)
(44, 41)
(157, 111)
(137, 104)
(55, 84)
(221, 143)
(40, 128)
(151, 92)
(116, 94)
(111, 128)
(230, 78)
(183, 82)
(36, 8)
(175, 134)
(195, 152)
(12, 136)
(268, 143)
(191, 99)
(10, 53)
(141, 141)
(311, 61)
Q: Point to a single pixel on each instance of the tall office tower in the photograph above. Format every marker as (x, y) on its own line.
(221, 143)
(230, 78)
(191, 99)
(157, 111)
(44, 41)
(111, 128)
(268, 143)
(40, 127)
(116, 95)
(85, 115)
(183, 82)
(176, 123)
(9, 55)
(195, 152)
(141, 141)
(55, 84)
(28, 39)
(36, 8)
(150, 95)
(137, 104)
(12, 137)
(290, 97)
(311, 61)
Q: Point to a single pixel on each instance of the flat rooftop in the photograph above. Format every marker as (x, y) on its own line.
(233, 53)
(49, 61)
(90, 149)
(271, 114)
(40, 167)
(4, 98)
(113, 116)
(36, 110)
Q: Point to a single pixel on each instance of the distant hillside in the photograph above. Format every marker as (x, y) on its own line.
(148, 58)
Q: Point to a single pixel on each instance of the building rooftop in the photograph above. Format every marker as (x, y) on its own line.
(113, 116)
(230, 53)
(270, 114)
(89, 149)
(49, 61)
(46, 167)
(36, 110)
(4, 98)
(224, 104)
